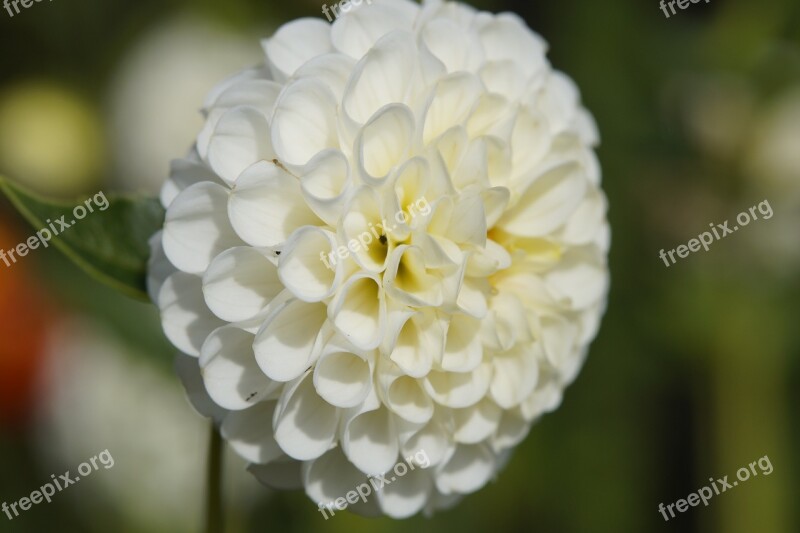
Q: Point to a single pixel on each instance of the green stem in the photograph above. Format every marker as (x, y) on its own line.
(214, 518)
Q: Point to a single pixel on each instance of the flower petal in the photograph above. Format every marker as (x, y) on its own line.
(304, 266)
(199, 210)
(515, 376)
(407, 495)
(477, 423)
(342, 377)
(384, 142)
(451, 104)
(249, 433)
(188, 371)
(469, 469)
(240, 283)
(507, 38)
(326, 185)
(305, 424)
(304, 122)
(359, 311)
(186, 320)
(384, 76)
(266, 206)
(240, 139)
(284, 474)
(295, 43)
(370, 442)
(463, 351)
(354, 33)
(284, 346)
(419, 344)
(580, 279)
(230, 372)
(459, 389)
(548, 202)
(330, 477)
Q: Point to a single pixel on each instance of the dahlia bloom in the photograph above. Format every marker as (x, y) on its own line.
(390, 238)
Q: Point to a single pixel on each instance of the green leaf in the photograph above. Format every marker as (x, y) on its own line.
(111, 245)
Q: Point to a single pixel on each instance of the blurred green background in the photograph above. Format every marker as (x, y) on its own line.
(695, 373)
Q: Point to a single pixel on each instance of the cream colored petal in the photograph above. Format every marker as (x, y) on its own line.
(384, 76)
(453, 100)
(240, 138)
(158, 266)
(435, 440)
(230, 372)
(305, 424)
(370, 442)
(240, 283)
(333, 70)
(249, 433)
(463, 351)
(330, 477)
(548, 203)
(327, 185)
(342, 376)
(579, 280)
(512, 430)
(507, 37)
(419, 343)
(448, 42)
(403, 395)
(359, 311)
(188, 371)
(186, 320)
(558, 338)
(408, 280)
(285, 345)
(183, 173)
(384, 142)
(198, 211)
(305, 267)
(266, 206)
(477, 423)
(503, 78)
(304, 122)
(355, 32)
(581, 228)
(407, 494)
(469, 469)
(364, 233)
(295, 43)
(458, 390)
(495, 202)
(515, 375)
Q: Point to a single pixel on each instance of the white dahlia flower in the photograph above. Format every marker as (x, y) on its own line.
(388, 240)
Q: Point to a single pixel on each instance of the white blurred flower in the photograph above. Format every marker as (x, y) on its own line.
(155, 482)
(773, 165)
(158, 89)
(453, 330)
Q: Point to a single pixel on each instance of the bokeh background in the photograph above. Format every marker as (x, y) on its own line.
(695, 373)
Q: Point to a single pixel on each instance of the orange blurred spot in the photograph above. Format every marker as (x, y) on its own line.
(25, 316)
